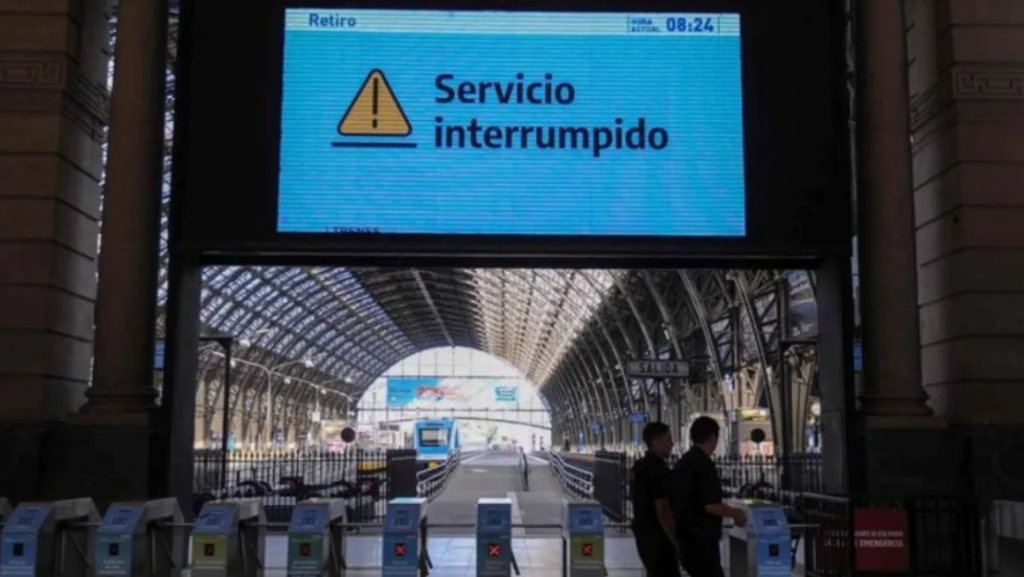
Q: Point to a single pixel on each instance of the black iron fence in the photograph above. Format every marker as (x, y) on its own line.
(741, 476)
(365, 479)
(800, 473)
(941, 535)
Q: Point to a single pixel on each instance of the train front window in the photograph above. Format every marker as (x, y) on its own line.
(433, 437)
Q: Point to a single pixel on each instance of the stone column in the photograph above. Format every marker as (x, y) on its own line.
(892, 394)
(967, 109)
(53, 104)
(126, 307)
(53, 108)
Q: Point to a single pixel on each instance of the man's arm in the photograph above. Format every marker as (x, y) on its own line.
(667, 521)
(712, 492)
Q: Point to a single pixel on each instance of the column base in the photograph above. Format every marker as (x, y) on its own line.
(982, 462)
(904, 461)
(61, 461)
(116, 403)
(22, 459)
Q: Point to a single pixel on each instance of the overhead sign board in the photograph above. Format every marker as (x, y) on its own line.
(535, 133)
(464, 122)
(653, 369)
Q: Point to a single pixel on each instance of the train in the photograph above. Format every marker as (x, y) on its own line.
(435, 440)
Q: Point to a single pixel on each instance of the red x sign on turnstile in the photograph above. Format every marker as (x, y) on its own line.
(587, 549)
(494, 550)
(399, 549)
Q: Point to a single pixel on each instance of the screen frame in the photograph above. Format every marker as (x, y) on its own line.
(210, 230)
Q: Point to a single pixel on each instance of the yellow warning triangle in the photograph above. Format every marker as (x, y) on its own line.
(375, 111)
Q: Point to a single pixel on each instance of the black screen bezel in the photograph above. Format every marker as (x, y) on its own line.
(224, 202)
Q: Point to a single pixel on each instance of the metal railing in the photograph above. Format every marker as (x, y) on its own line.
(574, 480)
(943, 536)
(431, 482)
(280, 480)
(524, 470)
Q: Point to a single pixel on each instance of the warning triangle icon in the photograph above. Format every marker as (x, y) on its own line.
(375, 111)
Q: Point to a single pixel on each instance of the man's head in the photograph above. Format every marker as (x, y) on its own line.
(704, 434)
(658, 438)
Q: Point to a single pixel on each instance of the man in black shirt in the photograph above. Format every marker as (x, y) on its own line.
(697, 503)
(653, 525)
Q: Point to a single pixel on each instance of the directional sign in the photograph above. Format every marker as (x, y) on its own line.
(654, 369)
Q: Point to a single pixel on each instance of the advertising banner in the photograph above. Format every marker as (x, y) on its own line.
(451, 393)
(881, 540)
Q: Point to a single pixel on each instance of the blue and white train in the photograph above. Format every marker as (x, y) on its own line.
(435, 440)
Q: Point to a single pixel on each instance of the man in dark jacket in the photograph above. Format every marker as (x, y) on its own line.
(697, 503)
(653, 524)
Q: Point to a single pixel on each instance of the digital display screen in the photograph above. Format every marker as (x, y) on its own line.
(213, 519)
(121, 518)
(512, 123)
(309, 518)
(401, 518)
(562, 130)
(27, 518)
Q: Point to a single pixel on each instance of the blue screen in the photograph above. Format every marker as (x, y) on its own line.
(512, 123)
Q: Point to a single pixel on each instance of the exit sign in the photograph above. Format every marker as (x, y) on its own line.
(654, 369)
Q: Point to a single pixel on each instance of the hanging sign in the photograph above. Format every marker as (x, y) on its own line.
(655, 369)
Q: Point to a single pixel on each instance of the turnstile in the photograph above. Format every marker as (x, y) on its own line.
(583, 523)
(130, 541)
(36, 540)
(494, 537)
(229, 539)
(316, 539)
(762, 548)
(402, 527)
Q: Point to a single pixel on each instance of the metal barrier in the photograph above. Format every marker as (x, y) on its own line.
(577, 482)
(280, 479)
(524, 470)
(430, 482)
(612, 485)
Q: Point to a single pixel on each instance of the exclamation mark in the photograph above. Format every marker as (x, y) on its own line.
(375, 81)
